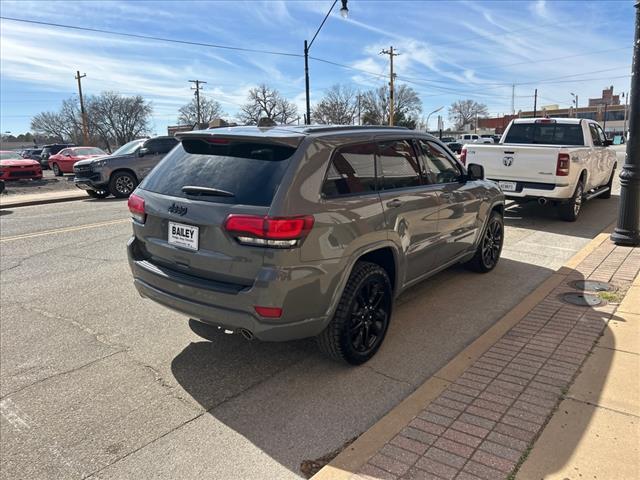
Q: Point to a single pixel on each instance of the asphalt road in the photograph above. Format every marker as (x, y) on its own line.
(96, 382)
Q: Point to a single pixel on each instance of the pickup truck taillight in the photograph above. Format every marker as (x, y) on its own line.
(463, 155)
(277, 232)
(562, 167)
(136, 207)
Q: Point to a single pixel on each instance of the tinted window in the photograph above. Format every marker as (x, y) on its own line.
(440, 167)
(398, 166)
(251, 171)
(594, 135)
(352, 170)
(545, 133)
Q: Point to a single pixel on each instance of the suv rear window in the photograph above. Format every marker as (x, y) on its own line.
(545, 133)
(252, 171)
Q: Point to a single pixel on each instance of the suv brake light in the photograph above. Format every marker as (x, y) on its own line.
(277, 232)
(463, 155)
(563, 165)
(136, 207)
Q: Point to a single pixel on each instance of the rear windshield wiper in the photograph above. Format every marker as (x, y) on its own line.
(206, 191)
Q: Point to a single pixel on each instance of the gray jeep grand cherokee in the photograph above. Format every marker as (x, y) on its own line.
(288, 232)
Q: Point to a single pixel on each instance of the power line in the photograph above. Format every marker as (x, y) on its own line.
(149, 37)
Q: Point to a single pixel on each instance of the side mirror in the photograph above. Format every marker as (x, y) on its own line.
(475, 172)
(143, 151)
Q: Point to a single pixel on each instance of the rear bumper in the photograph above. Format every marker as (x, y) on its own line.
(535, 190)
(230, 306)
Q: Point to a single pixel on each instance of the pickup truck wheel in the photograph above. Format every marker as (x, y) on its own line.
(609, 184)
(570, 210)
(361, 320)
(490, 246)
(122, 184)
(98, 193)
(56, 170)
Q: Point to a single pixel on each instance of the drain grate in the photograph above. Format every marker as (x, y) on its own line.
(592, 286)
(582, 299)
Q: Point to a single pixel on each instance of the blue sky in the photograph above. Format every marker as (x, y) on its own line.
(449, 50)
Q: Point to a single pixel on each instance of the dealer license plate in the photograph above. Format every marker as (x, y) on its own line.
(508, 186)
(181, 235)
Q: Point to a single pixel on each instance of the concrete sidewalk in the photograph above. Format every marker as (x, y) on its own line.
(23, 200)
(479, 416)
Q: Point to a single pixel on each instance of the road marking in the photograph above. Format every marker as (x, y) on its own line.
(63, 230)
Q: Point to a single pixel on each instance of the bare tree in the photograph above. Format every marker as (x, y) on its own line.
(464, 112)
(118, 118)
(209, 110)
(407, 106)
(267, 102)
(112, 119)
(339, 106)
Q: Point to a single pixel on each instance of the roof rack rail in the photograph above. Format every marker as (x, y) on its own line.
(337, 128)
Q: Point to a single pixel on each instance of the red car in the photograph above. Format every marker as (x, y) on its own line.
(62, 162)
(14, 167)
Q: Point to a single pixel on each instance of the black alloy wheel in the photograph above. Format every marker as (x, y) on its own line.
(369, 316)
(490, 245)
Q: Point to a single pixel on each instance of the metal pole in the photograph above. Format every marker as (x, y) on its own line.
(626, 107)
(85, 130)
(628, 230)
(604, 122)
(391, 88)
(306, 82)
(535, 103)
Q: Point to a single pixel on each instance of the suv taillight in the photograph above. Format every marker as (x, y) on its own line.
(463, 155)
(136, 207)
(277, 232)
(562, 167)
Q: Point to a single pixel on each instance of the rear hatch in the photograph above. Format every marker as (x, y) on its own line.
(529, 152)
(191, 193)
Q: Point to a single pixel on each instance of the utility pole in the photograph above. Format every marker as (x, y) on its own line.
(85, 130)
(513, 99)
(535, 104)
(626, 107)
(627, 231)
(197, 94)
(391, 78)
(359, 110)
(604, 122)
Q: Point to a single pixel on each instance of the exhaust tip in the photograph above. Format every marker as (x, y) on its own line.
(246, 334)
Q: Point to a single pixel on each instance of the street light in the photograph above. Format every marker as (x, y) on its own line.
(627, 231)
(575, 100)
(344, 11)
(435, 111)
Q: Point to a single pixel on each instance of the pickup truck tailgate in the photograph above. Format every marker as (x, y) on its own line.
(523, 163)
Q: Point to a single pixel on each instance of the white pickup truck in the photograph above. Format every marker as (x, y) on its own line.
(562, 161)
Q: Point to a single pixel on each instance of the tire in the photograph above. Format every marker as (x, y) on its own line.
(122, 184)
(98, 193)
(609, 184)
(56, 170)
(361, 320)
(204, 330)
(490, 246)
(570, 210)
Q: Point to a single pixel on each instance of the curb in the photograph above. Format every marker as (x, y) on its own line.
(349, 461)
(41, 201)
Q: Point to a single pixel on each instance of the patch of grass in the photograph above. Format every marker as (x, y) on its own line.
(611, 297)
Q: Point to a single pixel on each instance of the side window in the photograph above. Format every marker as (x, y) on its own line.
(166, 145)
(595, 136)
(352, 171)
(398, 166)
(601, 134)
(440, 167)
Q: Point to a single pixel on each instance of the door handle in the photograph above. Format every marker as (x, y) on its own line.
(395, 203)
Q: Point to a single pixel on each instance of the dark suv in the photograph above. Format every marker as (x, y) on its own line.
(118, 174)
(49, 150)
(288, 232)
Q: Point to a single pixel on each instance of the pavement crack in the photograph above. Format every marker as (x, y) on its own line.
(389, 377)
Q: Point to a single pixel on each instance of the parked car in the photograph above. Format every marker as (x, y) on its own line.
(290, 232)
(562, 161)
(474, 138)
(496, 138)
(32, 153)
(455, 147)
(63, 161)
(446, 140)
(487, 138)
(52, 149)
(119, 173)
(14, 167)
